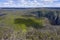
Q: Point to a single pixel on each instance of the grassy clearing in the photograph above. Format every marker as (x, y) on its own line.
(13, 25)
(24, 22)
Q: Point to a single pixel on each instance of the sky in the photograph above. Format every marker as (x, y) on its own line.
(29, 3)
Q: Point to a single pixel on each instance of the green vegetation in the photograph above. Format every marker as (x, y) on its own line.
(14, 26)
(29, 22)
(18, 23)
(5, 32)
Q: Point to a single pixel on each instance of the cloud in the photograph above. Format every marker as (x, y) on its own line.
(29, 3)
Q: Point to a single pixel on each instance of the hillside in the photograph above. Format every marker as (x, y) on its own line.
(30, 24)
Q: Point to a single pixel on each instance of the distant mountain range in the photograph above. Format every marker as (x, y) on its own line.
(30, 8)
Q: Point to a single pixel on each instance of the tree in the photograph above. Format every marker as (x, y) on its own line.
(53, 17)
(38, 14)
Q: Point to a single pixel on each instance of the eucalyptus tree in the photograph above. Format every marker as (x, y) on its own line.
(53, 17)
(38, 13)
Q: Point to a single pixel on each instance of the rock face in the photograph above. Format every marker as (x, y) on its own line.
(53, 18)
